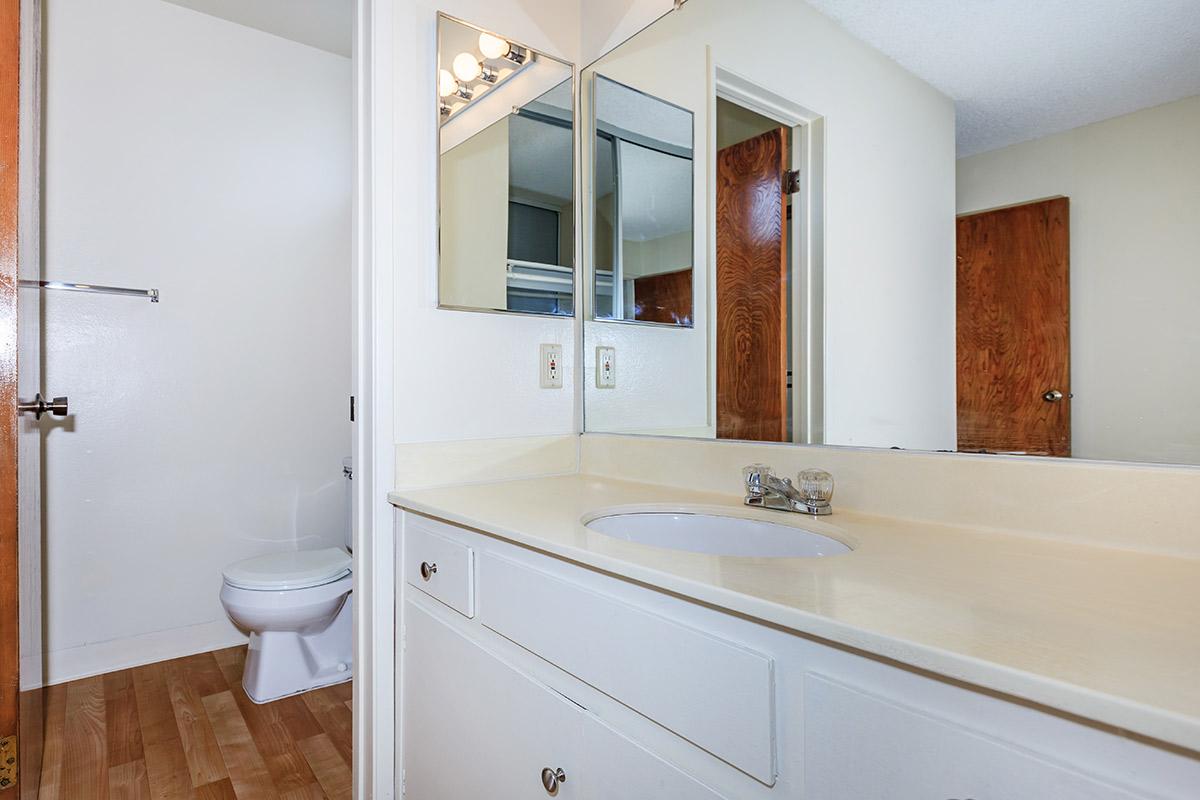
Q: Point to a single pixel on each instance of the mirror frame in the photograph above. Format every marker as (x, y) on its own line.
(576, 231)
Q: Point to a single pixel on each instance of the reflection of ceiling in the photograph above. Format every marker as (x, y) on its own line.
(325, 24)
(559, 98)
(540, 158)
(620, 107)
(656, 193)
(1022, 69)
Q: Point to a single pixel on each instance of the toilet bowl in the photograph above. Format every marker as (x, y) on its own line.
(297, 608)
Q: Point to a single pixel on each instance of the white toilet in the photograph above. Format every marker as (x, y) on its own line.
(298, 610)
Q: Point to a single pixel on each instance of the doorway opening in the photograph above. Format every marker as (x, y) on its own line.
(768, 341)
(184, 576)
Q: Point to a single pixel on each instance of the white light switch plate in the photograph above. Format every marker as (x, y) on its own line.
(606, 367)
(551, 366)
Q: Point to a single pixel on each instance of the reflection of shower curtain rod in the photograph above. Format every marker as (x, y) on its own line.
(151, 294)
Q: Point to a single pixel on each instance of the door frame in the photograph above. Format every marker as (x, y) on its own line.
(806, 241)
(373, 450)
(373, 65)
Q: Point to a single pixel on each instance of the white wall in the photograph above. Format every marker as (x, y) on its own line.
(1134, 187)
(212, 161)
(607, 23)
(889, 229)
(459, 374)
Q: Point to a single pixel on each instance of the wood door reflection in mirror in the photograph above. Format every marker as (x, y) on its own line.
(1014, 342)
(752, 317)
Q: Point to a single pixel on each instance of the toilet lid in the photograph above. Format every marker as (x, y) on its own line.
(296, 570)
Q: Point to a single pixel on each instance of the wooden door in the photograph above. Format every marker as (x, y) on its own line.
(1014, 379)
(21, 713)
(752, 289)
(10, 38)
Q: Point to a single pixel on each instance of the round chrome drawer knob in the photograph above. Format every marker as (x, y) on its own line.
(428, 570)
(551, 778)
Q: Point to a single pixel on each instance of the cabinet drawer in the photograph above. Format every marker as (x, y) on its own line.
(645, 661)
(860, 745)
(441, 568)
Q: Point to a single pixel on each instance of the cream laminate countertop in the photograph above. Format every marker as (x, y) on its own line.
(1106, 634)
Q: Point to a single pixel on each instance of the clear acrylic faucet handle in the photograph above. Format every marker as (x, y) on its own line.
(754, 473)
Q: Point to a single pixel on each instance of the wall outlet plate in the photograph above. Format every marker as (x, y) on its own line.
(606, 367)
(551, 369)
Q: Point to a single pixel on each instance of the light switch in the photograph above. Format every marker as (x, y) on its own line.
(606, 367)
(551, 366)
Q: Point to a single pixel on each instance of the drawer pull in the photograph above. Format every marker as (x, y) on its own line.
(551, 778)
(428, 570)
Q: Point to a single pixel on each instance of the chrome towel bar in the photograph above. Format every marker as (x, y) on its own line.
(152, 294)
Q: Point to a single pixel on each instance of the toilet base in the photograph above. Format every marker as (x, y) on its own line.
(283, 663)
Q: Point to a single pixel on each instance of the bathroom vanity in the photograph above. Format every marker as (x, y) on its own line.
(774, 227)
(540, 656)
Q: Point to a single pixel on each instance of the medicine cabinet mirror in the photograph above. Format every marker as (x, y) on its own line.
(506, 175)
(938, 227)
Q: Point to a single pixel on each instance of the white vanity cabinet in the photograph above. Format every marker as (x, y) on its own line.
(516, 664)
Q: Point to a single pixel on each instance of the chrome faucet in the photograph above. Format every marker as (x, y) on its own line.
(764, 489)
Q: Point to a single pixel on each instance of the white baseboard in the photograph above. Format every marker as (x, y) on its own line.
(98, 658)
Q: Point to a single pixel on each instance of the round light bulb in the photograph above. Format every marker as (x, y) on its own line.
(466, 67)
(492, 46)
(446, 83)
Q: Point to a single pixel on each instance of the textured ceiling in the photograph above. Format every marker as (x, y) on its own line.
(1022, 69)
(324, 24)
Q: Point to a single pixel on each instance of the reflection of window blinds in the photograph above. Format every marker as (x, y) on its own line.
(532, 234)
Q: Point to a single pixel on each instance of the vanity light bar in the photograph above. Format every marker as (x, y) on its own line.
(467, 68)
(517, 55)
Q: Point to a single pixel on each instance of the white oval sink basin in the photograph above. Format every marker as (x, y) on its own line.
(716, 535)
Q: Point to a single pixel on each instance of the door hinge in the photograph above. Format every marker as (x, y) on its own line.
(352, 408)
(8, 762)
(791, 181)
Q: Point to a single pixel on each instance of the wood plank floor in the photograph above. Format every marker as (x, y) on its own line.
(185, 730)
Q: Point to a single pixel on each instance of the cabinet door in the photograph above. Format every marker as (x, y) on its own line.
(860, 746)
(618, 768)
(476, 728)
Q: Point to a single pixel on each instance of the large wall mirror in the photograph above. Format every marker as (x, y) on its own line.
(918, 226)
(506, 175)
